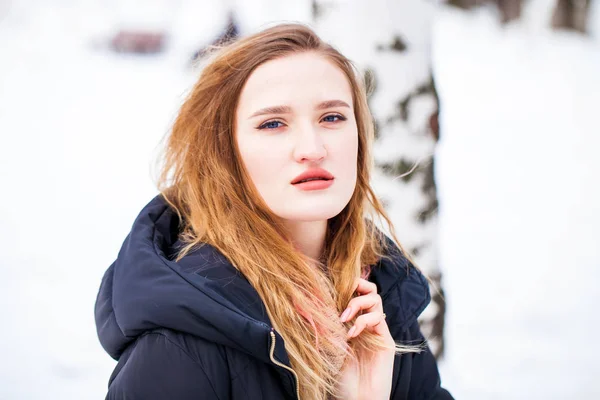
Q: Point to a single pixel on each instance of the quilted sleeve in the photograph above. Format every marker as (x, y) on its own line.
(416, 374)
(155, 367)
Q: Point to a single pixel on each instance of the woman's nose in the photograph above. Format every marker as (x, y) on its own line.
(309, 145)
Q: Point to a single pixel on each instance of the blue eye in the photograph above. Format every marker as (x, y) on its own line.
(332, 118)
(271, 125)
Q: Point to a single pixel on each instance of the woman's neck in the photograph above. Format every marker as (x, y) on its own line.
(308, 237)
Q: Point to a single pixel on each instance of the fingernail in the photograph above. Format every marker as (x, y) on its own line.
(345, 314)
(351, 331)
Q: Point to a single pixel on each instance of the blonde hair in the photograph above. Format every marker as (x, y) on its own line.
(203, 179)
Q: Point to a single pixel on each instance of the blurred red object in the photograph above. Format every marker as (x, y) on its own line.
(140, 42)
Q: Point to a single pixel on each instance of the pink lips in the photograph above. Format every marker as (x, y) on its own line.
(313, 179)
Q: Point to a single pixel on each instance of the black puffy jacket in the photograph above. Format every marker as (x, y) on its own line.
(196, 329)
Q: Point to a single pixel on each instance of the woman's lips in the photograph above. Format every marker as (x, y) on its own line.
(317, 184)
(313, 179)
(313, 173)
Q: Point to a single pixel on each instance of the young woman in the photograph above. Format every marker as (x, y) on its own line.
(258, 272)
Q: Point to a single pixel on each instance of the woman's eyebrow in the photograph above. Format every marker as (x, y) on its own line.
(272, 110)
(331, 104)
(287, 109)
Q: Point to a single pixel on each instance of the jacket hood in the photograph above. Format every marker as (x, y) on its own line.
(205, 296)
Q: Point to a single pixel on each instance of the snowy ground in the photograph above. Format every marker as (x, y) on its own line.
(516, 167)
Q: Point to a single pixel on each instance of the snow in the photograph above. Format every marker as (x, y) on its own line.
(517, 178)
(516, 171)
(79, 129)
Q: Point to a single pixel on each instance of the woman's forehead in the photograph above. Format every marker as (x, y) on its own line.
(298, 80)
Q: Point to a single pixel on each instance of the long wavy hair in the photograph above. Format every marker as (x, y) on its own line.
(203, 178)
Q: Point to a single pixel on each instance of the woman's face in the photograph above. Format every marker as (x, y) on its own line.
(297, 135)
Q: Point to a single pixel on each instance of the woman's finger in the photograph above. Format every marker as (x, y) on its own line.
(372, 320)
(365, 287)
(368, 303)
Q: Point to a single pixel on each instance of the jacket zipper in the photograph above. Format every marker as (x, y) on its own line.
(271, 351)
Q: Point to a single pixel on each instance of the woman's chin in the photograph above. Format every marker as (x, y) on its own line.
(313, 213)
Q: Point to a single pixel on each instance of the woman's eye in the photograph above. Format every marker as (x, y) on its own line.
(334, 118)
(271, 125)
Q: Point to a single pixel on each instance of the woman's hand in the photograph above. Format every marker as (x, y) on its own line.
(368, 303)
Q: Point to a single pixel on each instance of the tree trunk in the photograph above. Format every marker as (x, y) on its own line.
(568, 14)
(571, 14)
(509, 9)
(376, 35)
